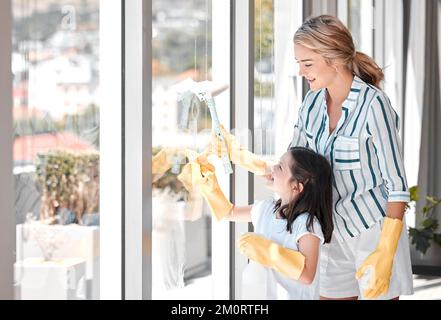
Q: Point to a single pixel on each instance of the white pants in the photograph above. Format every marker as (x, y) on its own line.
(340, 260)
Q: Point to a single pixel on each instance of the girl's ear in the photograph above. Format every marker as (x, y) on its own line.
(297, 187)
(300, 186)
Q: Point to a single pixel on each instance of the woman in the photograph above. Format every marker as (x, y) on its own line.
(348, 119)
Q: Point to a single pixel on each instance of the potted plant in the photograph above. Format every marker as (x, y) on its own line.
(425, 233)
(70, 187)
(425, 238)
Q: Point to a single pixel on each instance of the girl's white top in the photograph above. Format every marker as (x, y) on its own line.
(277, 286)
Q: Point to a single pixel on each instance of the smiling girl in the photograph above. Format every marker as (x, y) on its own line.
(290, 231)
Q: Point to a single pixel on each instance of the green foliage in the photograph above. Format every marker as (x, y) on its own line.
(185, 49)
(425, 234)
(263, 89)
(28, 126)
(264, 29)
(68, 181)
(414, 196)
(264, 43)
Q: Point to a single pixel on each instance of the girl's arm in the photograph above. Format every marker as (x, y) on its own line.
(240, 214)
(309, 246)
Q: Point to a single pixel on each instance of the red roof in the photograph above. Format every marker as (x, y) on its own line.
(20, 91)
(25, 112)
(26, 148)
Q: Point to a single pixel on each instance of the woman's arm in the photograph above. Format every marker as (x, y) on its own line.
(382, 125)
(309, 246)
(395, 210)
(240, 214)
(270, 254)
(237, 153)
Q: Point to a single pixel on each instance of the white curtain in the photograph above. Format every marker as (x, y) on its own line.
(429, 177)
(413, 114)
(422, 132)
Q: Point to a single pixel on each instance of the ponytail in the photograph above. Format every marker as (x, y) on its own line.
(367, 69)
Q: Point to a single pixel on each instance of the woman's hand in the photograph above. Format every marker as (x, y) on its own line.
(381, 260)
(288, 262)
(268, 176)
(201, 173)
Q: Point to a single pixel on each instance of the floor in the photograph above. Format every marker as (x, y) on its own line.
(425, 287)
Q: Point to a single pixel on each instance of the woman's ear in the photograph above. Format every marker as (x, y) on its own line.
(336, 65)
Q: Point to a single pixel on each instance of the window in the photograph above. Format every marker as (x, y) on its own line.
(277, 86)
(360, 23)
(56, 148)
(183, 59)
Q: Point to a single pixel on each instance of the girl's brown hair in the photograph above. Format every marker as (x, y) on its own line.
(329, 37)
(314, 172)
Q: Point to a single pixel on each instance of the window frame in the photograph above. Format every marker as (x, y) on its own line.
(111, 146)
(7, 209)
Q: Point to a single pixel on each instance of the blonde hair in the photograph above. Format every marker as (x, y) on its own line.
(329, 37)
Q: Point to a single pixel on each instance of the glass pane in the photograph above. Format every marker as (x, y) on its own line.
(354, 21)
(56, 148)
(360, 23)
(264, 79)
(182, 65)
(276, 84)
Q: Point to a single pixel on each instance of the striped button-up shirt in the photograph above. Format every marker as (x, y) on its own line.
(364, 151)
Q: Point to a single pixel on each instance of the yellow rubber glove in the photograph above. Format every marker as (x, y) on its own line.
(186, 177)
(191, 174)
(164, 159)
(238, 155)
(288, 262)
(200, 173)
(381, 260)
